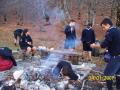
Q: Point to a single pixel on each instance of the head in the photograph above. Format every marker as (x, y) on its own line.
(72, 23)
(65, 71)
(106, 24)
(26, 32)
(89, 25)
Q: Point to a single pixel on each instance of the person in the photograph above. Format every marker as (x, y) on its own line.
(70, 35)
(26, 43)
(87, 38)
(112, 44)
(17, 35)
(64, 68)
(47, 19)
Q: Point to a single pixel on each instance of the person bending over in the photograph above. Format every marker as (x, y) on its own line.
(64, 68)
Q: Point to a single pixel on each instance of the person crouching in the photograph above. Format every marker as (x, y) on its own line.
(26, 43)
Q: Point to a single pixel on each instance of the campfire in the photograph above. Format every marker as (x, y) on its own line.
(38, 74)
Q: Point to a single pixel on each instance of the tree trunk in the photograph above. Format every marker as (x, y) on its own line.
(91, 11)
(118, 14)
(67, 7)
(79, 5)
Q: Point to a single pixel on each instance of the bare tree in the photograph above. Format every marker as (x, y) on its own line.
(115, 11)
(91, 11)
(66, 6)
(79, 6)
(118, 13)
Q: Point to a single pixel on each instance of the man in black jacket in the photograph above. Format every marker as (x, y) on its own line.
(87, 38)
(70, 35)
(112, 44)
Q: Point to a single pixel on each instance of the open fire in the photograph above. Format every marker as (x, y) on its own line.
(37, 75)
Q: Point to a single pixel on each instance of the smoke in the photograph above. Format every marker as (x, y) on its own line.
(57, 14)
(72, 43)
(54, 12)
(78, 42)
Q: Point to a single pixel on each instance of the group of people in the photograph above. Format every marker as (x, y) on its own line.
(111, 43)
(63, 68)
(87, 38)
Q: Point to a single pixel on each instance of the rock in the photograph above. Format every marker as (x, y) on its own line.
(70, 86)
(11, 82)
(24, 84)
(61, 85)
(17, 74)
(44, 87)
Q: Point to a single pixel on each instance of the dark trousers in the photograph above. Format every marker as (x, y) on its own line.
(110, 83)
(113, 69)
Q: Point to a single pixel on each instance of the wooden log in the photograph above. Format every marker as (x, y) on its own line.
(44, 54)
(65, 52)
(74, 59)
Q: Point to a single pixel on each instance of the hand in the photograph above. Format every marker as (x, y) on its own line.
(76, 81)
(29, 43)
(66, 78)
(93, 45)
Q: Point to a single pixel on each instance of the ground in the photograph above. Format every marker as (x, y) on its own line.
(51, 36)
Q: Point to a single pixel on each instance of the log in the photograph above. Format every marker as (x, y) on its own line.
(74, 59)
(64, 52)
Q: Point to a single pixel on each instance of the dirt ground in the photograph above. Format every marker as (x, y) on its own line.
(51, 36)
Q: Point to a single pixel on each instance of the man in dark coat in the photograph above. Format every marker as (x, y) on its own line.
(112, 44)
(70, 35)
(65, 69)
(87, 38)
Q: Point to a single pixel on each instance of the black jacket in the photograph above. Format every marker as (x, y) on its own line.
(62, 65)
(70, 34)
(112, 41)
(88, 35)
(24, 40)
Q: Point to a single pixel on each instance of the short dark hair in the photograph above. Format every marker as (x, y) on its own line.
(72, 20)
(25, 31)
(106, 21)
(89, 24)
